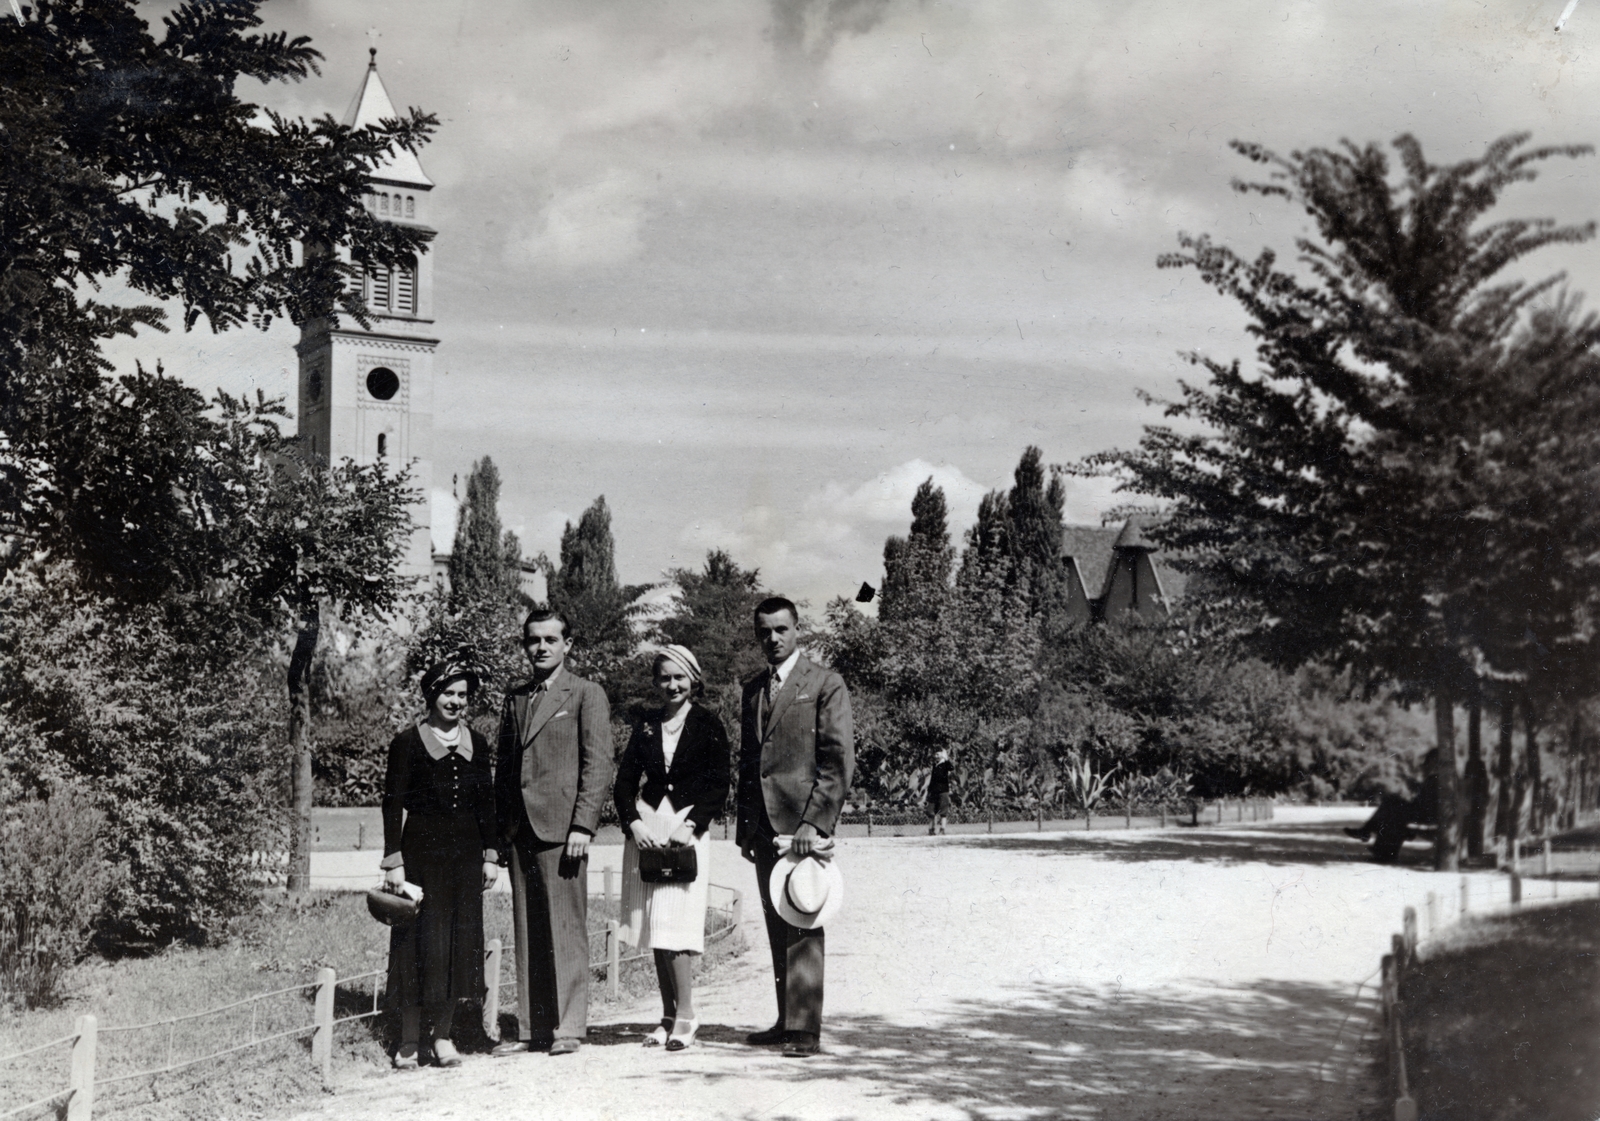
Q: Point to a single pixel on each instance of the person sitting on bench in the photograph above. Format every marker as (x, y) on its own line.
(1397, 813)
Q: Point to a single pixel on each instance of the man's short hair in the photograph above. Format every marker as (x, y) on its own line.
(774, 604)
(543, 614)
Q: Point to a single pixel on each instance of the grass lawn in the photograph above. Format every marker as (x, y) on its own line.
(1503, 1018)
(276, 947)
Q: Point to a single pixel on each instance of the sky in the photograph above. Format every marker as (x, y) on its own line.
(754, 271)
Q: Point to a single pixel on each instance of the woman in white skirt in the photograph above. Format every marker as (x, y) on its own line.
(672, 782)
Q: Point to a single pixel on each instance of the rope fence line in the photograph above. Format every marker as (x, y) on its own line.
(1486, 896)
(79, 1094)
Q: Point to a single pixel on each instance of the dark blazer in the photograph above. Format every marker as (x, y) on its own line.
(698, 775)
(417, 784)
(554, 762)
(800, 769)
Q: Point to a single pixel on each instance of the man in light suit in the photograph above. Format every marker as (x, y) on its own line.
(796, 758)
(552, 774)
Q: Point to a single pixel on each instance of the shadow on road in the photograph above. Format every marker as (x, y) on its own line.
(1273, 1050)
(1271, 844)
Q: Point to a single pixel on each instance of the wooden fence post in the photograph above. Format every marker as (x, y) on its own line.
(1516, 888)
(1163, 815)
(1397, 947)
(491, 998)
(322, 1037)
(607, 883)
(1544, 858)
(80, 1106)
(613, 959)
(1405, 1106)
(1039, 810)
(738, 907)
(1408, 927)
(869, 823)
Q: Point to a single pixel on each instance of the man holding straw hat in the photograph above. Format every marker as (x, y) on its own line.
(796, 758)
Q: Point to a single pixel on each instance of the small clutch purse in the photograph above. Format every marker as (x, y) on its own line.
(674, 865)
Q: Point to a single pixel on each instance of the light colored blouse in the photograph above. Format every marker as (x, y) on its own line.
(671, 730)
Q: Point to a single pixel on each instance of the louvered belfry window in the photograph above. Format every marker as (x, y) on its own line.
(382, 288)
(405, 285)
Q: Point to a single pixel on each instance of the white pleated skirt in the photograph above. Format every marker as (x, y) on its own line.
(665, 916)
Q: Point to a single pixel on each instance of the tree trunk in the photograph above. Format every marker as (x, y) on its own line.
(1477, 777)
(1504, 819)
(1530, 721)
(300, 782)
(1447, 841)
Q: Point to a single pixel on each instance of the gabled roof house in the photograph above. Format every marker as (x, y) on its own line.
(1116, 572)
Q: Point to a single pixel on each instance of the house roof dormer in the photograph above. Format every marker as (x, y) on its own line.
(371, 105)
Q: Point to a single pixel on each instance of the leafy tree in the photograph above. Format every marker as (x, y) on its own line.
(917, 568)
(1330, 501)
(483, 606)
(585, 588)
(131, 159)
(485, 560)
(1034, 509)
(175, 737)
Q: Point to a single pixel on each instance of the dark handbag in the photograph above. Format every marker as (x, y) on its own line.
(676, 864)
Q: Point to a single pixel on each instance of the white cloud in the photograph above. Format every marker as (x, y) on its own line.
(591, 224)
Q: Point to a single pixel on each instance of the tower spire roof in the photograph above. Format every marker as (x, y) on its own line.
(371, 105)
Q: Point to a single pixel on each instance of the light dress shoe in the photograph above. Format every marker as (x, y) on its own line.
(405, 1058)
(657, 1036)
(510, 1047)
(683, 1033)
(445, 1053)
(565, 1045)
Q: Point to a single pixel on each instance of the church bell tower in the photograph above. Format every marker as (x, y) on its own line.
(367, 394)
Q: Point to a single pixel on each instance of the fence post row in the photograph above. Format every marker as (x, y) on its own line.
(80, 1106)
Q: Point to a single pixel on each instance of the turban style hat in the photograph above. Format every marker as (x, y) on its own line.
(459, 664)
(681, 656)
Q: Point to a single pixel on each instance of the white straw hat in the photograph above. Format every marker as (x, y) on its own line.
(806, 891)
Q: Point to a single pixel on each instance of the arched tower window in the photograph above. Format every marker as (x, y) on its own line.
(383, 444)
(411, 206)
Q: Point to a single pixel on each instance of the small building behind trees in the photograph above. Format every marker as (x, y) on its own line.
(1116, 572)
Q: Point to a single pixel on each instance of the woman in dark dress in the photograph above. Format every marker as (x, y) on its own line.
(439, 834)
(672, 782)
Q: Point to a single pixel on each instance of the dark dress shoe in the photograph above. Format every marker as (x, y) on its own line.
(1353, 831)
(774, 1034)
(801, 1045)
(564, 1045)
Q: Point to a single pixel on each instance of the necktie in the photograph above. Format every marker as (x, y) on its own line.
(774, 683)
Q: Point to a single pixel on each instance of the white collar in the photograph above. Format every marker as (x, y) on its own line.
(675, 723)
(438, 748)
(784, 668)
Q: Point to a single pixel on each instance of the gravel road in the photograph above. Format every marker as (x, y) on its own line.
(1147, 976)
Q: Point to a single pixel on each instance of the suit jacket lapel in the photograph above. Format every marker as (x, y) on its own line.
(787, 694)
(550, 702)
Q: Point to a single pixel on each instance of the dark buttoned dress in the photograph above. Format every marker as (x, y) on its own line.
(444, 835)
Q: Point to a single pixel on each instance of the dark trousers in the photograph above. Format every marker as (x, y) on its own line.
(796, 955)
(550, 911)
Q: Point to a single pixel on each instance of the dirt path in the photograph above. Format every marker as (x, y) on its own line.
(1147, 976)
